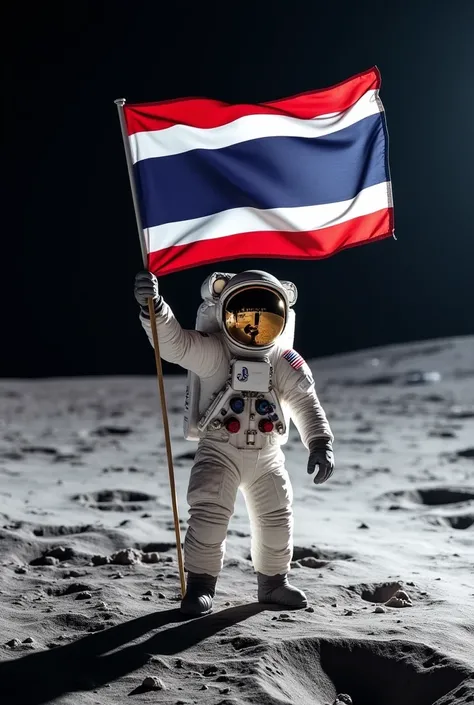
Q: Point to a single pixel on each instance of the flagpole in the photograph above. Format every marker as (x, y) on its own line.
(120, 102)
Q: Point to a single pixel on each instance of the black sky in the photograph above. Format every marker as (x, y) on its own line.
(69, 243)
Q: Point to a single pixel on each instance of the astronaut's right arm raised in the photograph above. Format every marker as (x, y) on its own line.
(190, 349)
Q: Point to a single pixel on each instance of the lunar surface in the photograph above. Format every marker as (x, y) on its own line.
(89, 585)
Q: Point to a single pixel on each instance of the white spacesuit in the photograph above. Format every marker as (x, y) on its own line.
(250, 382)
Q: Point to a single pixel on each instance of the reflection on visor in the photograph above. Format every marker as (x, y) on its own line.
(255, 317)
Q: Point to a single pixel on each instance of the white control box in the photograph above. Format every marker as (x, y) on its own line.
(251, 375)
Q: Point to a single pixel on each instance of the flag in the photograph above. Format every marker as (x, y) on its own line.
(297, 178)
(293, 358)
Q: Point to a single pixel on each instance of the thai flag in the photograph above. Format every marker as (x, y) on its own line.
(297, 178)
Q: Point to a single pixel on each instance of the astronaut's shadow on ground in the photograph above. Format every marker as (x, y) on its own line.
(87, 663)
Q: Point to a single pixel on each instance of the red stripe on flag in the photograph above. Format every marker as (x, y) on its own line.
(206, 113)
(316, 244)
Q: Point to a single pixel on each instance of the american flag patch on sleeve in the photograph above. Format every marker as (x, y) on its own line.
(294, 359)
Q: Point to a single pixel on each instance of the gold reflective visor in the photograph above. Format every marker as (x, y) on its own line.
(255, 317)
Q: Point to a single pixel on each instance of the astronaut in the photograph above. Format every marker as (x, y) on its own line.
(250, 385)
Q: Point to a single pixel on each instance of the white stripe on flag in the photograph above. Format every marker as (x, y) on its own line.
(245, 220)
(182, 138)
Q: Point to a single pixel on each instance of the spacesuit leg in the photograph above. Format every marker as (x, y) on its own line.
(269, 497)
(212, 491)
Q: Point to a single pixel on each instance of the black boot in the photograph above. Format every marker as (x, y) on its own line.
(277, 590)
(200, 590)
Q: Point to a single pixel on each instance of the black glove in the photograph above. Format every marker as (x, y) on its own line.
(146, 287)
(321, 455)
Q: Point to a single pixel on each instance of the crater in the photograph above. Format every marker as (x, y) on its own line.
(444, 495)
(157, 547)
(70, 589)
(185, 457)
(466, 453)
(53, 531)
(431, 496)
(460, 521)
(370, 672)
(104, 431)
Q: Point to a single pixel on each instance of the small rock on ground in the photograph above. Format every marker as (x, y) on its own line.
(400, 599)
(343, 699)
(127, 556)
(152, 557)
(83, 596)
(153, 683)
(210, 671)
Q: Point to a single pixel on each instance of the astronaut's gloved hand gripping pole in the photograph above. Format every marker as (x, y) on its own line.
(146, 293)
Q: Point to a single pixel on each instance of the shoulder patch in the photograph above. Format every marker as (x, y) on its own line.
(293, 358)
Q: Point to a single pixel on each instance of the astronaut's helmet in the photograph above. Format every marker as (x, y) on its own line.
(254, 316)
(253, 310)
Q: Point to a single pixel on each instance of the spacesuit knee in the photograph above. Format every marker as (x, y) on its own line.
(211, 502)
(209, 522)
(204, 545)
(211, 498)
(272, 541)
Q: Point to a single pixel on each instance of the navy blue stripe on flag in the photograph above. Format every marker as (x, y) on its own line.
(270, 172)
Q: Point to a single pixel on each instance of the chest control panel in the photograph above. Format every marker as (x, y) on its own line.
(251, 375)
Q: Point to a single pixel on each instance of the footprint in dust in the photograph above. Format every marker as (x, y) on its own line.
(300, 553)
(241, 642)
(314, 557)
(115, 500)
(76, 622)
(377, 592)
